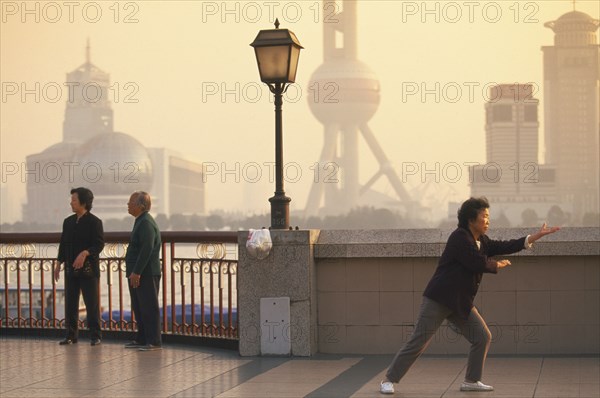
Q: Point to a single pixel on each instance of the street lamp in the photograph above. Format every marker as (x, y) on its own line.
(277, 52)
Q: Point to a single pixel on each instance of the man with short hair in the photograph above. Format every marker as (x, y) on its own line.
(143, 269)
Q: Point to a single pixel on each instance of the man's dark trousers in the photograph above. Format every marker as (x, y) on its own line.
(144, 302)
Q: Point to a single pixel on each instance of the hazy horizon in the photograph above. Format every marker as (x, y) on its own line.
(166, 59)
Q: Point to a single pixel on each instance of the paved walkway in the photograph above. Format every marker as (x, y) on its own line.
(32, 367)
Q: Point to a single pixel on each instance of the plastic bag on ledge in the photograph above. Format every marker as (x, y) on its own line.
(259, 243)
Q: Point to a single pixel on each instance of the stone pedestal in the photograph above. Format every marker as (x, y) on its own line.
(288, 271)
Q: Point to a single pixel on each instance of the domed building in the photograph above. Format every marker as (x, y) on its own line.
(112, 164)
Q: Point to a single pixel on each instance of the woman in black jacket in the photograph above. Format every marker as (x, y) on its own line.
(81, 242)
(452, 289)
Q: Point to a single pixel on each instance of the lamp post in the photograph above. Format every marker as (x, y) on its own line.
(277, 52)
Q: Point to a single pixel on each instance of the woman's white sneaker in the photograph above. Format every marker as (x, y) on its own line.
(386, 387)
(477, 386)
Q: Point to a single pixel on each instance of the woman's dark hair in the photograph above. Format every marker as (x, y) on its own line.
(85, 196)
(470, 209)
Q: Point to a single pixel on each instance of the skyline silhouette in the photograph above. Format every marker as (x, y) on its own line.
(193, 84)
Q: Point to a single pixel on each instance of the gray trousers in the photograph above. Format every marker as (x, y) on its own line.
(431, 316)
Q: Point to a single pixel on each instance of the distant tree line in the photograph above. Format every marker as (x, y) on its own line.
(358, 218)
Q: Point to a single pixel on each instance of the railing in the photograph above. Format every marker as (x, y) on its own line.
(198, 294)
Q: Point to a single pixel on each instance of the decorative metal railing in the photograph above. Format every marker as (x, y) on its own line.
(198, 293)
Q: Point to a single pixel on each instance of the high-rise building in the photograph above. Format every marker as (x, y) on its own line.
(512, 178)
(88, 110)
(570, 179)
(572, 108)
(512, 125)
(112, 164)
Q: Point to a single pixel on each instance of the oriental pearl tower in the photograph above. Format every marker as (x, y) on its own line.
(345, 96)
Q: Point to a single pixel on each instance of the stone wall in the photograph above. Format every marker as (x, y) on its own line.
(370, 286)
(359, 292)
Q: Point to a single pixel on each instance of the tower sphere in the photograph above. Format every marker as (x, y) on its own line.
(343, 91)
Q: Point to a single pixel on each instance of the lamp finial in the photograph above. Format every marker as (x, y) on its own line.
(276, 23)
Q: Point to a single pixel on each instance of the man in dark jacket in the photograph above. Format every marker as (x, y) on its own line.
(143, 270)
(452, 289)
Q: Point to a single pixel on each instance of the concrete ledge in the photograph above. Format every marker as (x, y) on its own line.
(394, 243)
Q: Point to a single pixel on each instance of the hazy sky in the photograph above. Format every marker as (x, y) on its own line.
(173, 52)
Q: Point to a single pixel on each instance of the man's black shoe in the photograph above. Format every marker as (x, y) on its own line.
(68, 341)
(150, 347)
(134, 344)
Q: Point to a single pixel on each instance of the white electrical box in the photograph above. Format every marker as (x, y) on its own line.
(275, 326)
